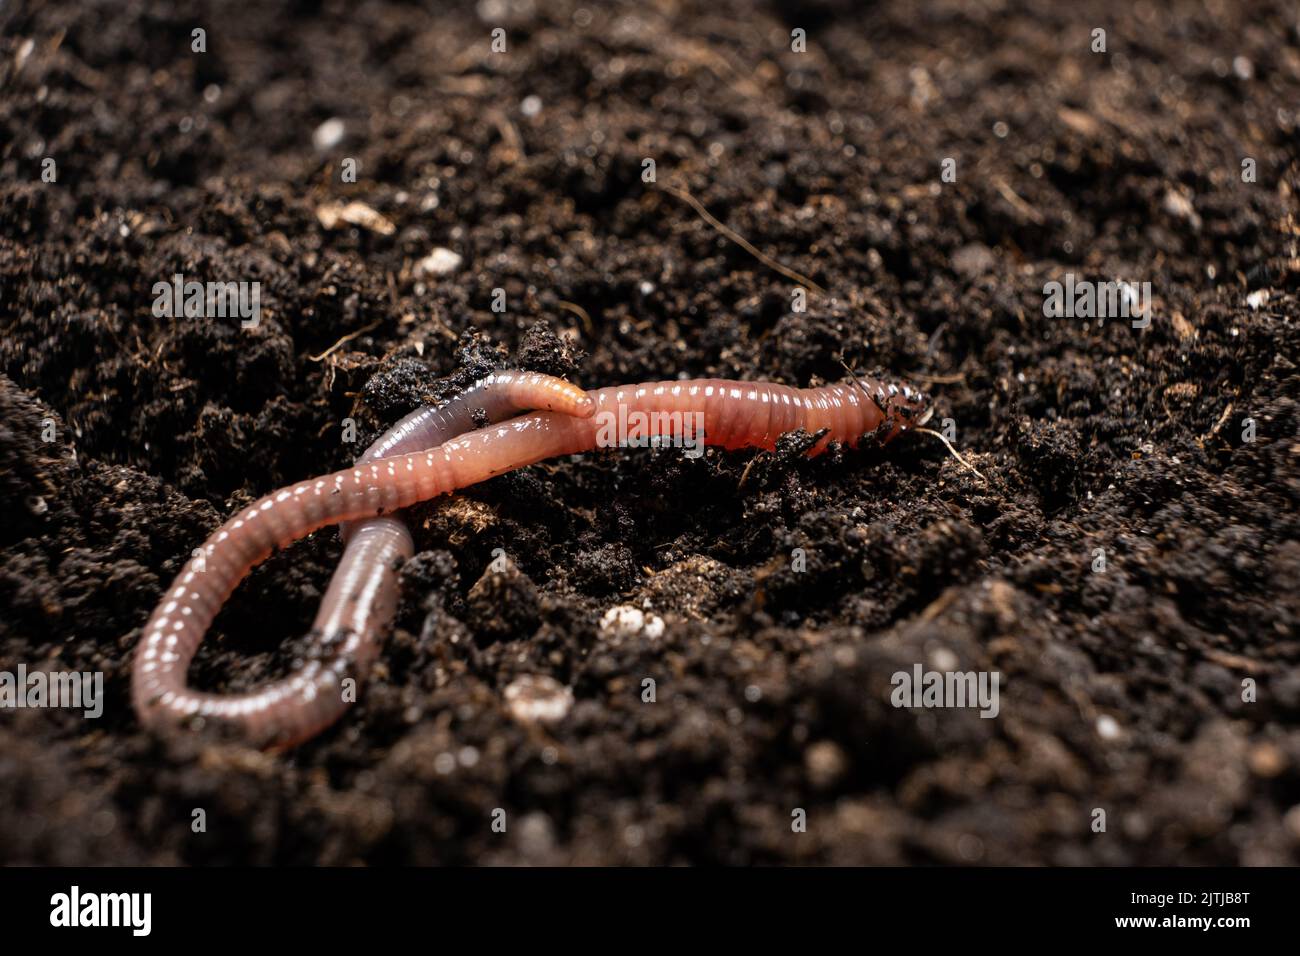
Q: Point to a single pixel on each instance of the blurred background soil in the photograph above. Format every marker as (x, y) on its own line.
(1122, 690)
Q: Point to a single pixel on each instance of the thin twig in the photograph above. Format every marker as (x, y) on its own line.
(1218, 426)
(1014, 199)
(344, 341)
(741, 241)
(509, 136)
(955, 453)
(581, 313)
(941, 379)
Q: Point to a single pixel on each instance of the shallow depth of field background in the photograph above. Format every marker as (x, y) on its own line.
(1122, 690)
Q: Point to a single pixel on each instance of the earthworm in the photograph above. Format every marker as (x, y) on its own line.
(358, 604)
(361, 598)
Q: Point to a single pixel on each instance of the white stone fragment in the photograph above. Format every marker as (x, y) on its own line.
(329, 134)
(627, 621)
(538, 699)
(440, 262)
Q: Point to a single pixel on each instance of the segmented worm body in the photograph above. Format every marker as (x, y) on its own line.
(361, 598)
(358, 604)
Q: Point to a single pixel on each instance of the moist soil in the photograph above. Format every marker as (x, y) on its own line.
(1149, 706)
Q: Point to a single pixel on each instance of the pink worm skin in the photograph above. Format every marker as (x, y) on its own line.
(362, 596)
(358, 605)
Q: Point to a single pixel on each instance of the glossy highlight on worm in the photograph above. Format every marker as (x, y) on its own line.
(357, 607)
(432, 452)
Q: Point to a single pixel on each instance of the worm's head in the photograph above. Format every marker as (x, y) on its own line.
(903, 407)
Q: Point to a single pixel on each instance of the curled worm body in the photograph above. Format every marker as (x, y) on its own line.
(359, 603)
(362, 596)
(496, 396)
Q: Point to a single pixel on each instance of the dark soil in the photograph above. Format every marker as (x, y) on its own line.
(1122, 689)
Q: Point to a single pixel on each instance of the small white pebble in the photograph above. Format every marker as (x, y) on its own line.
(444, 764)
(538, 699)
(943, 659)
(627, 621)
(825, 763)
(1107, 727)
(536, 834)
(24, 51)
(1257, 299)
(440, 262)
(1180, 207)
(329, 134)
(531, 106)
